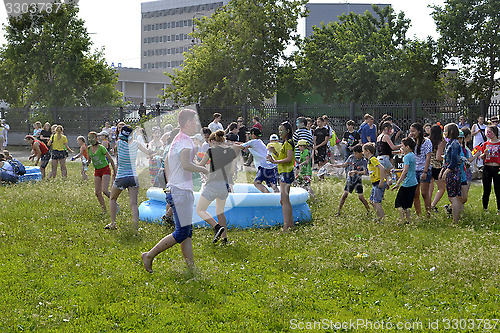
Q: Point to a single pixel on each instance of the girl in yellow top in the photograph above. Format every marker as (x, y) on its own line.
(285, 162)
(59, 144)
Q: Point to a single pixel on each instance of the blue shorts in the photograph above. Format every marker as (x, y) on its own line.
(125, 182)
(181, 202)
(377, 193)
(426, 180)
(287, 177)
(270, 176)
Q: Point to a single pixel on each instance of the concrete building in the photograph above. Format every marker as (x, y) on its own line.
(165, 26)
(329, 12)
(138, 85)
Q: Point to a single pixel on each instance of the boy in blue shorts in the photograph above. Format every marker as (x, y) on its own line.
(266, 171)
(356, 166)
(377, 177)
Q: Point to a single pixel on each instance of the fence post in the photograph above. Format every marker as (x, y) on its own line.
(88, 118)
(122, 113)
(483, 107)
(2, 113)
(295, 113)
(413, 111)
(244, 112)
(352, 106)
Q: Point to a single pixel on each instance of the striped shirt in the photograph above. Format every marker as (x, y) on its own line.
(127, 154)
(302, 134)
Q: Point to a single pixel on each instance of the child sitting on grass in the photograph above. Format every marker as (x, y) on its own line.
(356, 166)
(304, 168)
(407, 181)
(377, 177)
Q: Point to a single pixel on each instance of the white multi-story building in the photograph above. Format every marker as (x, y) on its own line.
(165, 26)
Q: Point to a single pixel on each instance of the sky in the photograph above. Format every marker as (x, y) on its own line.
(116, 24)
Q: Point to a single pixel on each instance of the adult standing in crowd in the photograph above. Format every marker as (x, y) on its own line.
(40, 151)
(321, 137)
(232, 132)
(256, 123)
(216, 125)
(142, 110)
(462, 122)
(478, 136)
(302, 133)
(60, 148)
(242, 130)
(368, 130)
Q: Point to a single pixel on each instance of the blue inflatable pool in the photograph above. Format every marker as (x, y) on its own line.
(33, 173)
(247, 207)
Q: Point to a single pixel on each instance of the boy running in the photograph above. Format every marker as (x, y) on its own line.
(356, 166)
(377, 177)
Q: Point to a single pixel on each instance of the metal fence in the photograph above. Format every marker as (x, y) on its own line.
(81, 120)
(404, 114)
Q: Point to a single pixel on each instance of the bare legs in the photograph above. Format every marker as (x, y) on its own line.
(101, 185)
(441, 184)
(424, 188)
(164, 244)
(286, 206)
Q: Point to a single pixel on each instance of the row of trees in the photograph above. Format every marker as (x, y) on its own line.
(359, 58)
(48, 61)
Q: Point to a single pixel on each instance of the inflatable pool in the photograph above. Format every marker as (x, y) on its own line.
(247, 207)
(33, 173)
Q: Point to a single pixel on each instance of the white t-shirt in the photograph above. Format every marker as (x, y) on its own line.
(7, 167)
(259, 151)
(204, 147)
(177, 176)
(214, 127)
(478, 138)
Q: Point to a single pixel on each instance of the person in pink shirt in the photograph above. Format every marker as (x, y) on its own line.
(179, 167)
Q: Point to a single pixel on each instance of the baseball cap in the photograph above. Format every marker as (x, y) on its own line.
(302, 142)
(274, 137)
(104, 133)
(460, 134)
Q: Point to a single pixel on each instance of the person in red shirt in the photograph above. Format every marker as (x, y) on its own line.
(40, 151)
(256, 123)
(490, 153)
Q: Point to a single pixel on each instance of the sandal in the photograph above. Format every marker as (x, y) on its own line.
(110, 227)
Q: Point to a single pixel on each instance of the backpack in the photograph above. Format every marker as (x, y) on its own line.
(18, 167)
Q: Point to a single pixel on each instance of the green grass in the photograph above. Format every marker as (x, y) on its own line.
(61, 272)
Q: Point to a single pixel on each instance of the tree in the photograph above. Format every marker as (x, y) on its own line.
(47, 62)
(362, 58)
(470, 31)
(238, 58)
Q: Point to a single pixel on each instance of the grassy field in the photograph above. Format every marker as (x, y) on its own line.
(62, 272)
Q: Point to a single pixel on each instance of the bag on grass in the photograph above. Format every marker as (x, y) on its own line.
(18, 167)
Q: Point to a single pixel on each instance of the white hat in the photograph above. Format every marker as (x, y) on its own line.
(274, 137)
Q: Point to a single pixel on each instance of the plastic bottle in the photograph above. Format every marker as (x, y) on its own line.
(394, 176)
(85, 164)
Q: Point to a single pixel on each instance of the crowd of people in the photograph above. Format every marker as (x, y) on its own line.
(413, 163)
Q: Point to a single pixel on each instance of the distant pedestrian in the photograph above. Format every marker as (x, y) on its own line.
(216, 125)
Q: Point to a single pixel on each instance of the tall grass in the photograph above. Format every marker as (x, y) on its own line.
(61, 272)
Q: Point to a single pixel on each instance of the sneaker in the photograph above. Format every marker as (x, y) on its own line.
(218, 230)
(448, 209)
(168, 220)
